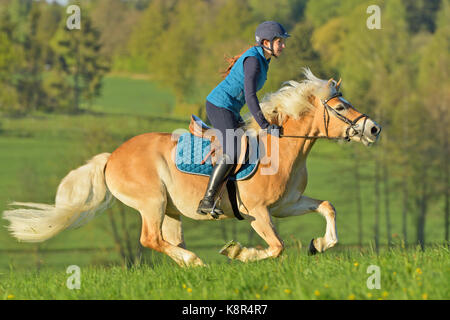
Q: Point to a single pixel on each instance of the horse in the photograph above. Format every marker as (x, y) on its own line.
(141, 174)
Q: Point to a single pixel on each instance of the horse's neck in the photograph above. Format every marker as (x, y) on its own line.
(300, 147)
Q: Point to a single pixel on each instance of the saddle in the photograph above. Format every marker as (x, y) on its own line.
(200, 129)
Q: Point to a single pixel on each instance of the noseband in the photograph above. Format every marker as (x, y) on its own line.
(326, 120)
(351, 124)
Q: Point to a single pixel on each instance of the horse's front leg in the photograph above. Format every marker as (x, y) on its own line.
(305, 205)
(262, 224)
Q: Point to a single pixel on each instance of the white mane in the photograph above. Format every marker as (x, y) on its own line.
(292, 98)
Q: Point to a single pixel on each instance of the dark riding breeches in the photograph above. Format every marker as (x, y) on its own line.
(223, 120)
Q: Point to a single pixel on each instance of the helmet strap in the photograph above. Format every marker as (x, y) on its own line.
(269, 49)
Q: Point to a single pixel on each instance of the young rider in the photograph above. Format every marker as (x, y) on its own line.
(247, 74)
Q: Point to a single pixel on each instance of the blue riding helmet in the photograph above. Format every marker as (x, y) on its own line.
(269, 30)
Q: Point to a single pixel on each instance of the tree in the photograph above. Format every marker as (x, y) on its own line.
(421, 15)
(115, 21)
(10, 58)
(29, 82)
(287, 12)
(79, 65)
(229, 33)
(434, 96)
(299, 53)
(148, 36)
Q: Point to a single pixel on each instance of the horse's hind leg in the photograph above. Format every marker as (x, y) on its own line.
(152, 236)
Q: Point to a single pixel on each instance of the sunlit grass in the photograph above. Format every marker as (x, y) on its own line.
(295, 276)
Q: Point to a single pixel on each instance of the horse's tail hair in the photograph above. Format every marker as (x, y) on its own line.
(80, 195)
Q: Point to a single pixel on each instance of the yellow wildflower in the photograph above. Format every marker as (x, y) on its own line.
(425, 296)
(184, 286)
(258, 296)
(356, 264)
(369, 295)
(418, 271)
(189, 290)
(351, 297)
(11, 296)
(385, 294)
(317, 293)
(288, 291)
(265, 287)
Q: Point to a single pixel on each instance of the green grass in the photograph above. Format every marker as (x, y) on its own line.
(133, 97)
(410, 274)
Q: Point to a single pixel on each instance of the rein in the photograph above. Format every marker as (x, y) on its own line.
(326, 120)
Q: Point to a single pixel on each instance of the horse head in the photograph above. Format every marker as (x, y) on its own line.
(315, 108)
(337, 118)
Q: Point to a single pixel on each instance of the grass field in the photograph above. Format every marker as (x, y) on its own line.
(39, 150)
(403, 274)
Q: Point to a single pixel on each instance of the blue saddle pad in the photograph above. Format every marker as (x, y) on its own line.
(190, 152)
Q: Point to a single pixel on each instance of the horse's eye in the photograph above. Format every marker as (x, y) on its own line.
(340, 108)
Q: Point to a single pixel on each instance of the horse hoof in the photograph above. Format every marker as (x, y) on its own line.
(231, 249)
(312, 249)
(227, 245)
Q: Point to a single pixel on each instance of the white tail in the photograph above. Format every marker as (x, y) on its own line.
(80, 195)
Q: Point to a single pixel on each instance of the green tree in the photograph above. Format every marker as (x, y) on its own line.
(228, 33)
(434, 99)
(149, 35)
(299, 53)
(115, 21)
(29, 82)
(287, 12)
(10, 59)
(79, 65)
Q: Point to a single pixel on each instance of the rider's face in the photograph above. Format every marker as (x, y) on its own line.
(278, 46)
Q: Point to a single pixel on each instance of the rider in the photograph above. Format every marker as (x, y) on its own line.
(246, 75)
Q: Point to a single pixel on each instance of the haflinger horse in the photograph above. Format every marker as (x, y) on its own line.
(142, 174)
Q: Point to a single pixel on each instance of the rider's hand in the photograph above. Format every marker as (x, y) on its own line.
(274, 130)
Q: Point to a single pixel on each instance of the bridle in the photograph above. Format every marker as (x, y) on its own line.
(326, 120)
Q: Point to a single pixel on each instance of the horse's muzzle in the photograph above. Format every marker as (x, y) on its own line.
(367, 131)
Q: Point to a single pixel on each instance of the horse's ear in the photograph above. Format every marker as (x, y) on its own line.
(330, 82)
(338, 84)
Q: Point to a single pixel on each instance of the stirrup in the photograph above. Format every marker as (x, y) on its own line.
(215, 211)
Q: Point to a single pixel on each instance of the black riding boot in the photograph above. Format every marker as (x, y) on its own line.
(217, 178)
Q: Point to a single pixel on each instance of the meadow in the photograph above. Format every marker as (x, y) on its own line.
(37, 151)
(344, 275)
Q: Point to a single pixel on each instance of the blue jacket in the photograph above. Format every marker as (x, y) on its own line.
(229, 93)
